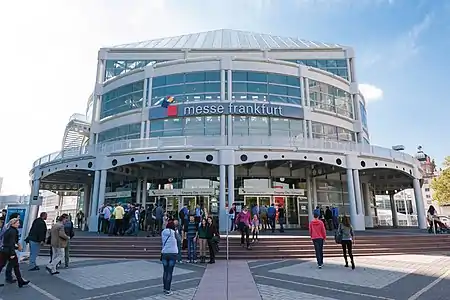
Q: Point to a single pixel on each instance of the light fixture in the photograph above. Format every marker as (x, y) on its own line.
(282, 179)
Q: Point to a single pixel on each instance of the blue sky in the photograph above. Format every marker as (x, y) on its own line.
(400, 47)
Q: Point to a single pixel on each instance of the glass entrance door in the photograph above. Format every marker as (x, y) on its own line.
(203, 201)
(303, 210)
(250, 201)
(190, 202)
(172, 206)
(263, 201)
(292, 216)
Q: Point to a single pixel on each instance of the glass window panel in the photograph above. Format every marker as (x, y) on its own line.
(293, 80)
(345, 135)
(239, 76)
(278, 89)
(174, 90)
(277, 78)
(341, 63)
(296, 127)
(195, 77)
(156, 128)
(175, 78)
(342, 73)
(191, 98)
(257, 88)
(240, 125)
(258, 126)
(322, 64)
(212, 76)
(279, 127)
(158, 81)
(257, 76)
(311, 63)
(194, 126)
(195, 88)
(239, 88)
(295, 92)
(173, 127)
(212, 125)
(331, 63)
(212, 87)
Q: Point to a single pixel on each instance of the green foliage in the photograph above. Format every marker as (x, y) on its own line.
(441, 185)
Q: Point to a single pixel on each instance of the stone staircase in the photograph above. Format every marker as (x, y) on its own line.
(268, 247)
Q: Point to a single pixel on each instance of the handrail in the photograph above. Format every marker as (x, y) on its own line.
(211, 142)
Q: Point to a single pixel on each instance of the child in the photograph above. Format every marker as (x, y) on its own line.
(255, 228)
(191, 230)
(318, 236)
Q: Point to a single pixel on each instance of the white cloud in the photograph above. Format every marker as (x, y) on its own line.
(370, 92)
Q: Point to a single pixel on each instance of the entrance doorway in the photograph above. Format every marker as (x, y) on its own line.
(303, 210)
(192, 201)
(250, 201)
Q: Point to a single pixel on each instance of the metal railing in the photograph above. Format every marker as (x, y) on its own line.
(212, 142)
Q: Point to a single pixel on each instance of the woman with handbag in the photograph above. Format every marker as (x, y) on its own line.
(8, 250)
(346, 237)
(169, 253)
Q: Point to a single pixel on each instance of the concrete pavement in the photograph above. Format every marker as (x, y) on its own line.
(407, 277)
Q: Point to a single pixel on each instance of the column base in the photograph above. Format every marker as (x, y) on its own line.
(368, 220)
(93, 224)
(360, 223)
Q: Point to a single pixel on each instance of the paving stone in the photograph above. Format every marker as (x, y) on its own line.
(185, 294)
(101, 276)
(268, 292)
(376, 274)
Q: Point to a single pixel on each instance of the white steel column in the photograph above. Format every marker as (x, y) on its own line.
(368, 218)
(230, 185)
(351, 198)
(309, 194)
(230, 119)
(357, 184)
(144, 193)
(314, 191)
(420, 207)
(393, 210)
(223, 214)
(102, 188)
(92, 224)
(138, 191)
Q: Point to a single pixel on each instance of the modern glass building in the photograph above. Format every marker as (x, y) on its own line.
(226, 116)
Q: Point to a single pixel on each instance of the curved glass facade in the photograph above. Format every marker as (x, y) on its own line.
(362, 108)
(122, 99)
(115, 68)
(125, 132)
(330, 132)
(186, 126)
(336, 66)
(259, 86)
(327, 97)
(187, 87)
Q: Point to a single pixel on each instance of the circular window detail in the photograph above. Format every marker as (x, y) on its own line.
(76, 166)
(321, 158)
(90, 164)
(148, 157)
(396, 167)
(385, 165)
(305, 157)
(127, 170)
(403, 169)
(339, 161)
(282, 156)
(170, 156)
(114, 162)
(376, 164)
(244, 157)
(410, 172)
(209, 157)
(67, 166)
(132, 159)
(266, 156)
(188, 156)
(363, 164)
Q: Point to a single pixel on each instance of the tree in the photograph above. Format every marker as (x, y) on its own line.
(441, 185)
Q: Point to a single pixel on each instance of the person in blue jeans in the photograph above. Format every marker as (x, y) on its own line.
(191, 231)
(36, 238)
(178, 233)
(271, 215)
(9, 267)
(169, 254)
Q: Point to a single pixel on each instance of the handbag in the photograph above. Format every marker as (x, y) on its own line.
(338, 235)
(165, 242)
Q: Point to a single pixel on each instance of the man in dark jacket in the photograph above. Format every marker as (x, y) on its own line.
(36, 238)
(69, 231)
(8, 273)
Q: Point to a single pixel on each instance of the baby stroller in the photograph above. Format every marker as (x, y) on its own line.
(436, 226)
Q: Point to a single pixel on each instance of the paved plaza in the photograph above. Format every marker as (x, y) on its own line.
(396, 277)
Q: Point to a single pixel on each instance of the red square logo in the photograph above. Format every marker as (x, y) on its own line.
(172, 111)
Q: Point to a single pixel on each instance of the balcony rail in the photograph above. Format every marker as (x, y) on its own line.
(211, 142)
(78, 117)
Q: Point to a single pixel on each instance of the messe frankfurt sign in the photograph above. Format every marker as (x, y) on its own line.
(226, 108)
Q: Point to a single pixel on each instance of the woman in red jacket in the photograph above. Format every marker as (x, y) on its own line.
(318, 236)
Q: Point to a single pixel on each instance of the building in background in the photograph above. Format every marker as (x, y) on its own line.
(6, 200)
(223, 117)
(55, 204)
(1, 184)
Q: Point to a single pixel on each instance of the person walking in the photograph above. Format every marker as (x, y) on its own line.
(203, 239)
(243, 221)
(345, 230)
(8, 250)
(36, 239)
(318, 236)
(9, 267)
(69, 230)
(272, 215)
(58, 242)
(169, 254)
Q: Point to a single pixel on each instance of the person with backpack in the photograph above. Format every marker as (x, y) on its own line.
(9, 267)
(271, 215)
(69, 231)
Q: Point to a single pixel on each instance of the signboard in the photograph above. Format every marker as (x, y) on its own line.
(226, 108)
(22, 210)
(182, 192)
(276, 192)
(36, 200)
(122, 194)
